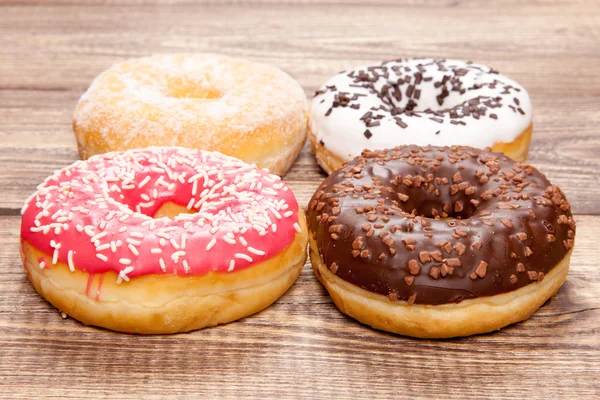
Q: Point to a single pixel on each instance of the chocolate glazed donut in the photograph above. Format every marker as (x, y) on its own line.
(436, 229)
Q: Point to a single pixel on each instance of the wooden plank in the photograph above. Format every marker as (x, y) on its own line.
(301, 347)
(76, 39)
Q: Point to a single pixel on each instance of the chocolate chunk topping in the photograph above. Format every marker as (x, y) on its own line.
(481, 269)
(401, 91)
(402, 232)
(414, 267)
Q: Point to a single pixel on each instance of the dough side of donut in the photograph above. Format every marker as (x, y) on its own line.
(517, 150)
(470, 317)
(162, 304)
(251, 111)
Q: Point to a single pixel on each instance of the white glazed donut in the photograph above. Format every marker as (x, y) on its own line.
(419, 101)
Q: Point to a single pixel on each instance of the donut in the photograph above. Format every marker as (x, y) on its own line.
(419, 101)
(251, 111)
(162, 240)
(438, 242)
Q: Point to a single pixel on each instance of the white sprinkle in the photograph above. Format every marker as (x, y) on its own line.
(243, 256)
(122, 229)
(55, 256)
(98, 236)
(255, 251)
(133, 241)
(288, 214)
(228, 240)
(274, 228)
(103, 247)
(133, 249)
(163, 235)
(102, 257)
(243, 241)
(183, 240)
(174, 243)
(125, 261)
(231, 265)
(275, 213)
(161, 262)
(144, 181)
(297, 227)
(123, 275)
(190, 204)
(113, 246)
(176, 255)
(155, 251)
(42, 265)
(70, 260)
(186, 267)
(210, 244)
(138, 235)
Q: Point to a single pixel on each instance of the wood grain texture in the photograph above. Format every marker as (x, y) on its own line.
(301, 347)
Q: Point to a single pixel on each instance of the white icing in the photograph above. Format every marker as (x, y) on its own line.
(343, 132)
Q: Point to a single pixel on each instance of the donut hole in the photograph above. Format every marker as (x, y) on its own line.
(171, 210)
(179, 88)
(422, 204)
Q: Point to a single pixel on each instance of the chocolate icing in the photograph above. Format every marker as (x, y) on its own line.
(439, 225)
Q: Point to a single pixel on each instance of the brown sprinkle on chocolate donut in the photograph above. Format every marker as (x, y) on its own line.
(414, 267)
(481, 269)
(443, 209)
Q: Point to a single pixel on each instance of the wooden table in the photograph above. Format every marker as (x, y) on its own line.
(301, 347)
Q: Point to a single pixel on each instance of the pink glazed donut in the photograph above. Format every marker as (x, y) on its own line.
(162, 240)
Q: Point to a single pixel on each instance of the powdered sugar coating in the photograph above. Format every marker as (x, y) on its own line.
(202, 101)
(418, 101)
(96, 215)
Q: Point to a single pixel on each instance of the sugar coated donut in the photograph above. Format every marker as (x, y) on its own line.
(162, 240)
(441, 241)
(419, 101)
(251, 111)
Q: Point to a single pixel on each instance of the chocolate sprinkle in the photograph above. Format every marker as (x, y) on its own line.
(400, 92)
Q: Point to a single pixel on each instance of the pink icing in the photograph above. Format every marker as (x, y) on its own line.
(96, 215)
